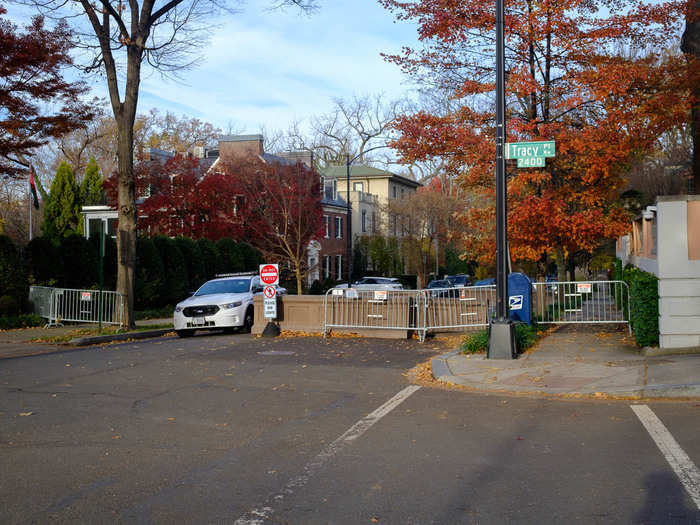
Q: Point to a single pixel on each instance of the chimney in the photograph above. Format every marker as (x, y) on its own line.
(240, 145)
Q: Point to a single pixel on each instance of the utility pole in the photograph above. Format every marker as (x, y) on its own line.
(501, 340)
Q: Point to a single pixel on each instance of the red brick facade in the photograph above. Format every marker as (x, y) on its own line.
(334, 245)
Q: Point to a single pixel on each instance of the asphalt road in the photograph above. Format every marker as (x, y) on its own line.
(232, 429)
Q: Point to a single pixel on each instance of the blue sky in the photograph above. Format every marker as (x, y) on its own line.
(267, 68)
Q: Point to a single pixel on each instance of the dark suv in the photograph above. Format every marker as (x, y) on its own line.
(460, 280)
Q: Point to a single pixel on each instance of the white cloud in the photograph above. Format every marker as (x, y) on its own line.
(268, 68)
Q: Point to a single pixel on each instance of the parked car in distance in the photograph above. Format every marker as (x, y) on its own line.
(377, 283)
(225, 303)
(441, 288)
(459, 280)
(486, 282)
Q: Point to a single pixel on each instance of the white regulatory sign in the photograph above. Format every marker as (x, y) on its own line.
(270, 308)
(583, 287)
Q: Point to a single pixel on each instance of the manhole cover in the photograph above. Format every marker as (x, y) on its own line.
(277, 352)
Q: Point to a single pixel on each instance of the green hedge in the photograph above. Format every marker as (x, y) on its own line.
(14, 288)
(21, 321)
(166, 269)
(643, 302)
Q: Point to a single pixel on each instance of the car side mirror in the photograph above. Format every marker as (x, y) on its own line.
(257, 289)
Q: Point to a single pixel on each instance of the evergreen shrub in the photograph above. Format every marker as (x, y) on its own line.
(80, 262)
(210, 257)
(193, 260)
(13, 281)
(230, 257)
(43, 262)
(644, 305)
(175, 287)
(149, 281)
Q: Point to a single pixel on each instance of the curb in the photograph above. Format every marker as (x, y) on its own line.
(443, 374)
(672, 391)
(440, 368)
(94, 340)
(649, 351)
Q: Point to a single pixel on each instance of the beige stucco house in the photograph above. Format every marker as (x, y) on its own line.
(370, 191)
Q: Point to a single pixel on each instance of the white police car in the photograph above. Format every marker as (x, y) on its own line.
(224, 303)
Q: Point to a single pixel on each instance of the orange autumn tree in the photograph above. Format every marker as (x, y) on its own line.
(596, 76)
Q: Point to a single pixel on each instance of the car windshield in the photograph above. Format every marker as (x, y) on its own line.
(458, 279)
(439, 284)
(224, 286)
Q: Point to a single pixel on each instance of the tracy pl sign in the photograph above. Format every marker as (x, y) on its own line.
(530, 154)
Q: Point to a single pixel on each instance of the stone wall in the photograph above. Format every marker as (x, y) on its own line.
(678, 271)
(304, 313)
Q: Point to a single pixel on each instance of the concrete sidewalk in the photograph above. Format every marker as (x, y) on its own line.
(28, 341)
(577, 361)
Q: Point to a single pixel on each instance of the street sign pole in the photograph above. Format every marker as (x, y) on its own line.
(269, 276)
(501, 341)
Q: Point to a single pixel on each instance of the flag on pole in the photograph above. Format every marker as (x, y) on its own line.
(35, 197)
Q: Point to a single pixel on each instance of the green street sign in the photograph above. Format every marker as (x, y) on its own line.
(530, 162)
(523, 150)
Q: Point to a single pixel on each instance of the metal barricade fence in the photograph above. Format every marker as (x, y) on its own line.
(40, 297)
(351, 308)
(583, 302)
(81, 306)
(417, 310)
(458, 308)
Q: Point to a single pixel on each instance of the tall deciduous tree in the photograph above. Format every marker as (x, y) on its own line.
(62, 211)
(35, 101)
(690, 44)
(180, 134)
(124, 37)
(422, 219)
(359, 126)
(185, 201)
(279, 210)
(597, 80)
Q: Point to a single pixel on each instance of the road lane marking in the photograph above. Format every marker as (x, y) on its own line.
(680, 462)
(259, 515)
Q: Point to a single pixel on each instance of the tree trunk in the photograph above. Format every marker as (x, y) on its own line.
(690, 43)
(298, 275)
(572, 268)
(561, 264)
(126, 233)
(125, 115)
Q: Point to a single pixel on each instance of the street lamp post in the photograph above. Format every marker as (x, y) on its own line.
(348, 245)
(501, 340)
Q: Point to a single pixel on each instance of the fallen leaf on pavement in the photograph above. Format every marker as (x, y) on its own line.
(25, 413)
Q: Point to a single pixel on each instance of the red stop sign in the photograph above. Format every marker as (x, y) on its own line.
(269, 274)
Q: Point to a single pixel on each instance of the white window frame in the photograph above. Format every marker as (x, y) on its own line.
(334, 188)
(364, 221)
(338, 227)
(327, 224)
(326, 266)
(338, 267)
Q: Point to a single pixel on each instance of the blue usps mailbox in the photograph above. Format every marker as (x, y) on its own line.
(520, 297)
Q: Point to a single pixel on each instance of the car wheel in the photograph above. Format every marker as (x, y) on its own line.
(248, 321)
(184, 333)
